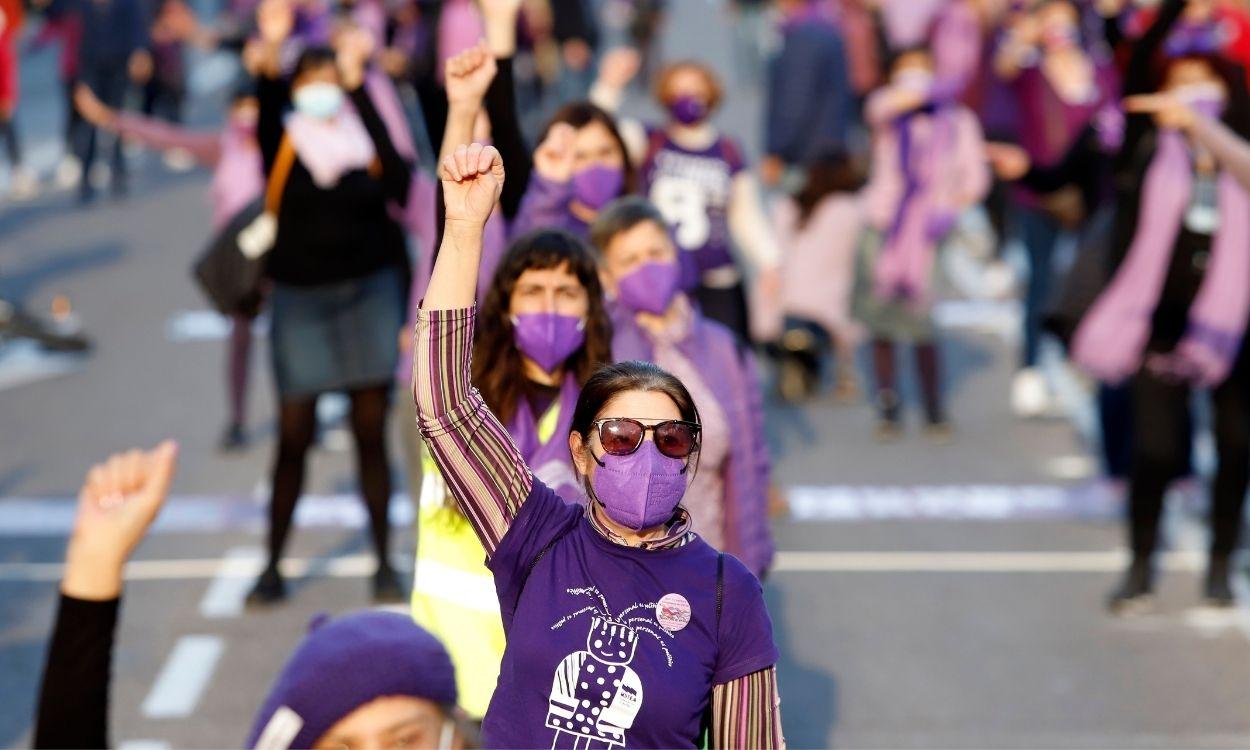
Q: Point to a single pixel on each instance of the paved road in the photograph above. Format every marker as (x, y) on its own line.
(925, 596)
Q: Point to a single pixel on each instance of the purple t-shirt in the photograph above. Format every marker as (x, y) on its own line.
(692, 189)
(612, 646)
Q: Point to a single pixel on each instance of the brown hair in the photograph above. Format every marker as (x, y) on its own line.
(498, 371)
(715, 90)
(622, 215)
(610, 381)
(581, 114)
(826, 175)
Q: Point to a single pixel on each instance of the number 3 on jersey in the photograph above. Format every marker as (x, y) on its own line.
(681, 201)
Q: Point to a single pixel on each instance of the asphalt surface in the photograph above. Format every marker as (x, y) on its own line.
(940, 596)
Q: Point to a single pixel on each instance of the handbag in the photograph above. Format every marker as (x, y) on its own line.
(231, 270)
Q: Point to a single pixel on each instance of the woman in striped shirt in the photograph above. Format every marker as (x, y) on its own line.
(623, 627)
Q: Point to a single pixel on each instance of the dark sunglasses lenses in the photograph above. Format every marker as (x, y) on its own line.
(620, 437)
(675, 439)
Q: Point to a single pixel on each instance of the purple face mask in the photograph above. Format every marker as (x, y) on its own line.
(688, 110)
(642, 489)
(548, 338)
(594, 187)
(650, 288)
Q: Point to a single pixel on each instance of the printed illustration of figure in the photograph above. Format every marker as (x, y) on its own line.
(595, 695)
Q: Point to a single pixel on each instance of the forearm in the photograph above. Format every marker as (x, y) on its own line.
(159, 134)
(459, 127)
(1230, 150)
(750, 225)
(477, 458)
(73, 699)
(505, 126)
(746, 713)
(396, 172)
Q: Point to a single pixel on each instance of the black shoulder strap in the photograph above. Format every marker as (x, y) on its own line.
(720, 588)
(534, 563)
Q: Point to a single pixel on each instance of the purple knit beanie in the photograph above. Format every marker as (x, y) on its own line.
(344, 664)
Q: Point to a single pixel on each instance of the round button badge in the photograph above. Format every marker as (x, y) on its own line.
(672, 612)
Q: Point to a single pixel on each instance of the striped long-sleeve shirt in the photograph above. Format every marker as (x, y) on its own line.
(490, 481)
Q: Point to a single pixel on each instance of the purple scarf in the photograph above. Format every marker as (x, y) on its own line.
(904, 268)
(1111, 340)
(550, 461)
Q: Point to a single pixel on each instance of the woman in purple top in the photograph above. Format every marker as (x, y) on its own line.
(1060, 87)
(623, 627)
(655, 322)
(580, 165)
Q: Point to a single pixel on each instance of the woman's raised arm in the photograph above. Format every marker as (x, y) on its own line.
(477, 457)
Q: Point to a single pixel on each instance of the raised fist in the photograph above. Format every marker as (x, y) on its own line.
(275, 19)
(469, 75)
(472, 179)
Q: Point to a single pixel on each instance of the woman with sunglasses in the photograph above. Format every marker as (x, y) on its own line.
(623, 627)
(546, 332)
(655, 322)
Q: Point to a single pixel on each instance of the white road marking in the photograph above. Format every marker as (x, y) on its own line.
(951, 502)
(182, 680)
(971, 562)
(227, 593)
(348, 566)
(24, 361)
(143, 745)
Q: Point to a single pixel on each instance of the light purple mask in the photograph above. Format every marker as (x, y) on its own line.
(640, 490)
(649, 288)
(548, 338)
(595, 187)
(688, 110)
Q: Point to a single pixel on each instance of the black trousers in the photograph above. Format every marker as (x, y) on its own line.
(1161, 440)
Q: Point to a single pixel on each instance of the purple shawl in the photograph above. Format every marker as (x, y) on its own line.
(730, 374)
(550, 461)
(1111, 341)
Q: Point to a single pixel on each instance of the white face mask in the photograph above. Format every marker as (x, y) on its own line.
(319, 100)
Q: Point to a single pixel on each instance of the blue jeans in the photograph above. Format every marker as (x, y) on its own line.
(1040, 234)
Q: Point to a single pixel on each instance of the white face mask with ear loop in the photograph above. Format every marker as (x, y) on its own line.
(447, 735)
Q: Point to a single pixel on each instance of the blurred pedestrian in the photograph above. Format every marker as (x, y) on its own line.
(654, 321)
(1174, 316)
(339, 267)
(22, 183)
(928, 167)
(634, 436)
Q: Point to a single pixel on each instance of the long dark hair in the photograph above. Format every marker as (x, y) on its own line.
(581, 114)
(498, 371)
(612, 380)
(827, 174)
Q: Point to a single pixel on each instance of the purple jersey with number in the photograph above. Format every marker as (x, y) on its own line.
(612, 646)
(692, 189)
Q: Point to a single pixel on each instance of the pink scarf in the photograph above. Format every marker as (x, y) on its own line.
(1111, 340)
(329, 149)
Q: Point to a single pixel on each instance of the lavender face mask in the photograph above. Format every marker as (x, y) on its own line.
(548, 338)
(688, 110)
(650, 288)
(640, 490)
(595, 187)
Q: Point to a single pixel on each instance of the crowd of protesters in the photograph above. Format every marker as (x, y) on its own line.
(583, 311)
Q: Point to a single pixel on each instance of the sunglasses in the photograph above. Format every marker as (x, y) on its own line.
(621, 436)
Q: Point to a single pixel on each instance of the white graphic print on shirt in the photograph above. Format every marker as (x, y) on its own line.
(595, 696)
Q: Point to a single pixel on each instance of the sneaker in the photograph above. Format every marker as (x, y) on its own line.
(1218, 589)
(1030, 395)
(68, 172)
(178, 160)
(23, 185)
(386, 586)
(270, 589)
(1135, 594)
(233, 439)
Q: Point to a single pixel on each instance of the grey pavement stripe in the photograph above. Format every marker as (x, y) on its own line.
(227, 593)
(182, 680)
(144, 745)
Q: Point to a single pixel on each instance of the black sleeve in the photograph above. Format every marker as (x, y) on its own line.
(1071, 168)
(1112, 34)
(273, 96)
(396, 172)
(73, 701)
(505, 128)
(1139, 79)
